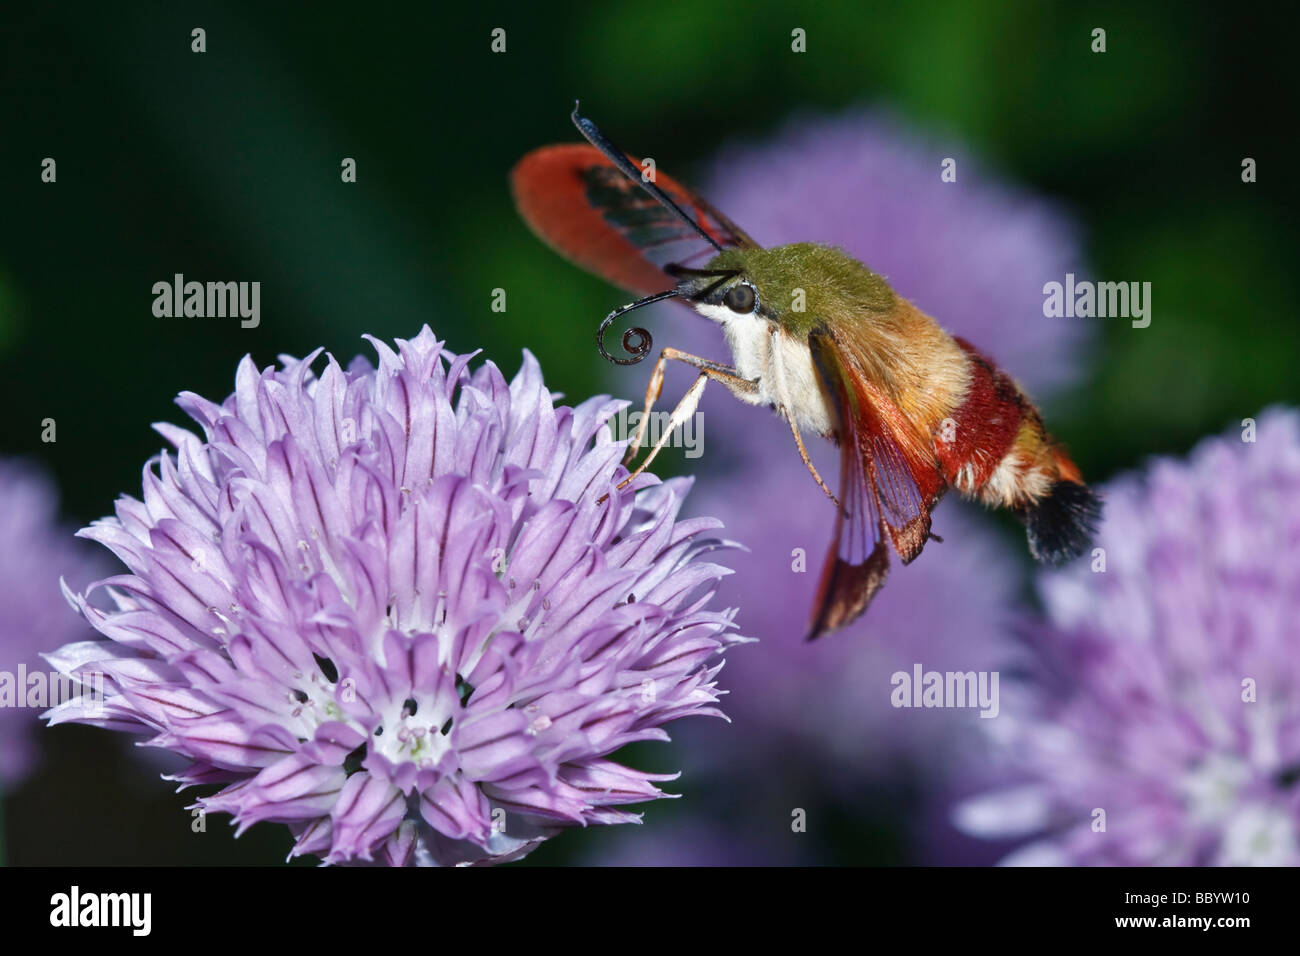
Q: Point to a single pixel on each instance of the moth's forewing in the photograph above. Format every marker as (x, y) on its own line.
(589, 211)
(887, 490)
(850, 579)
(899, 461)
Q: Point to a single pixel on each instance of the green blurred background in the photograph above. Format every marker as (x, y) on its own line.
(225, 165)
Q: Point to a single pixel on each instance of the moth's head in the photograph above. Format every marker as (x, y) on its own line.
(795, 285)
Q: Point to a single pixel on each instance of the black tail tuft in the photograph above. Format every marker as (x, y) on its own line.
(1062, 525)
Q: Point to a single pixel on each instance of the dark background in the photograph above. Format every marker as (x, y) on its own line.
(225, 165)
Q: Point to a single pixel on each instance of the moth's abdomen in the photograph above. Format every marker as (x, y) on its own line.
(994, 448)
(987, 446)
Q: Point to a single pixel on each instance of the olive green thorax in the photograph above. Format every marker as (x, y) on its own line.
(836, 287)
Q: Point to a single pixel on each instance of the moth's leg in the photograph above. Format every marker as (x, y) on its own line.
(684, 410)
(724, 374)
(803, 453)
(783, 396)
(715, 370)
(652, 391)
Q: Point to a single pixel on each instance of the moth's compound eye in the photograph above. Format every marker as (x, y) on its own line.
(741, 298)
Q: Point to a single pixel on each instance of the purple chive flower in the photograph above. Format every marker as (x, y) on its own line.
(975, 254)
(404, 610)
(1168, 696)
(34, 551)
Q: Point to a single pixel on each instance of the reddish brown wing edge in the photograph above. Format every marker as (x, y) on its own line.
(550, 193)
(874, 470)
(845, 588)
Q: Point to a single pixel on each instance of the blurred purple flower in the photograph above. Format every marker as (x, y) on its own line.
(974, 254)
(404, 610)
(1169, 694)
(34, 551)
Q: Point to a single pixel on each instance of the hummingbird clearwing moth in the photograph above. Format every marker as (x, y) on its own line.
(828, 344)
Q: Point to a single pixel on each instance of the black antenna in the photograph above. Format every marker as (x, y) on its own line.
(596, 138)
(636, 341)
